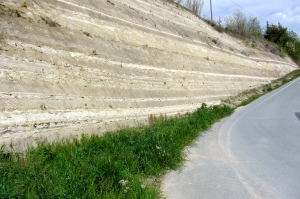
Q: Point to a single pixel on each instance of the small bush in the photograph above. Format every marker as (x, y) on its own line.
(217, 26)
(214, 41)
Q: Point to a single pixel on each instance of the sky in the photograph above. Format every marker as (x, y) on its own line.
(287, 12)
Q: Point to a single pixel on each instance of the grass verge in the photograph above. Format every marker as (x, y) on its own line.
(121, 164)
(117, 165)
(249, 96)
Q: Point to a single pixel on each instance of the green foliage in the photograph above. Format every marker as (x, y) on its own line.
(241, 24)
(288, 40)
(214, 41)
(50, 22)
(217, 26)
(276, 34)
(116, 165)
(17, 13)
(249, 100)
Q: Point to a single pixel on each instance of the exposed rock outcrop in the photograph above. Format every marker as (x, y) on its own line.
(72, 66)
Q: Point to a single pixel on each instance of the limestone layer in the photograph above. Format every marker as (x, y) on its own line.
(74, 66)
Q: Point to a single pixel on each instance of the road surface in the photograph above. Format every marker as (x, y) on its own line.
(255, 153)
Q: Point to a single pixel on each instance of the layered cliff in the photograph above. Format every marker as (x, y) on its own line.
(74, 66)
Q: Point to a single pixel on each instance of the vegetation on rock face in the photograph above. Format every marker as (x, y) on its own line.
(289, 41)
(246, 27)
(194, 6)
(241, 24)
(50, 22)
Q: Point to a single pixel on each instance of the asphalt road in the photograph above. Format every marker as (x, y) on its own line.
(255, 153)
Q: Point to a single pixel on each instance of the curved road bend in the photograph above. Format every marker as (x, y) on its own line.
(255, 153)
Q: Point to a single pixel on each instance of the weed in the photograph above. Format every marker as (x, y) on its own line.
(110, 106)
(154, 119)
(24, 4)
(269, 88)
(87, 34)
(231, 49)
(50, 22)
(94, 52)
(249, 100)
(282, 54)
(17, 13)
(214, 41)
(111, 3)
(217, 26)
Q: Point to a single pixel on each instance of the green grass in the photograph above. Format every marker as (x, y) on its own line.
(121, 164)
(100, 166)
(253, 94)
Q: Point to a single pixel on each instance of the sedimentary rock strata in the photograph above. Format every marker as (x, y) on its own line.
(71, 66)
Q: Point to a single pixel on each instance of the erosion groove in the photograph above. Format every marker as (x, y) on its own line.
(71, 66)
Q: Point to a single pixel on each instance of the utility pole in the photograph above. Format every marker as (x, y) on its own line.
(211, 14)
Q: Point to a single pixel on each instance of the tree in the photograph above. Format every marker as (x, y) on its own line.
(237, 22)
(253, 27)
(288, 40)
(242, 24)
(276, 34)
(195, 6)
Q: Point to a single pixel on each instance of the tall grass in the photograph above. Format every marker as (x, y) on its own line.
(119, 164)
(116, 165)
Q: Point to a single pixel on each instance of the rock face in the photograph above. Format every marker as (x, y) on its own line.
(74, 66)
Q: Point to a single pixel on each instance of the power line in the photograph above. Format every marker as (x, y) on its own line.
(261, 20)
(250, 13)
(241, 7)
(246, 10)
(297, 27)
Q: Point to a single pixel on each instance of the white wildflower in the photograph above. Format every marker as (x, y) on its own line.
(123, 182)
(143, 186)
(126, 189)
(158, 148)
